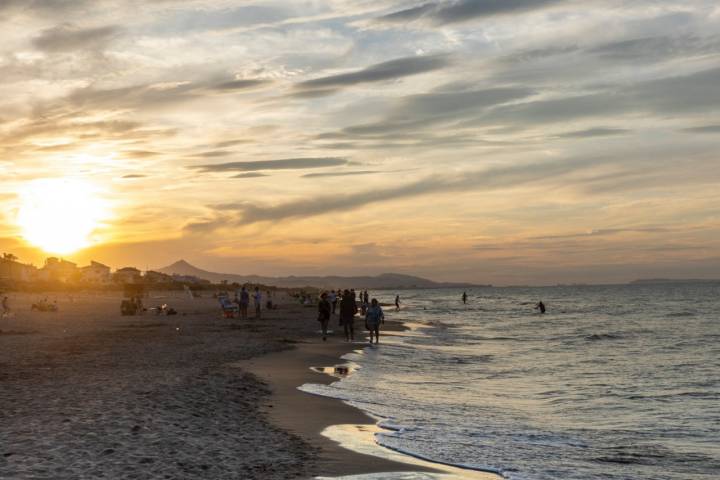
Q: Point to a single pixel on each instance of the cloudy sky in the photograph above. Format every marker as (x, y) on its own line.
(500, 141)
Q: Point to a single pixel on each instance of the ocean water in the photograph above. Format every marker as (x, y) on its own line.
(613, 382)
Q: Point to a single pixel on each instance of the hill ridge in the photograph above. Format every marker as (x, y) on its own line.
(382, 281)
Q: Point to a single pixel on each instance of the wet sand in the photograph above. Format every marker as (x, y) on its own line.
(307, 415)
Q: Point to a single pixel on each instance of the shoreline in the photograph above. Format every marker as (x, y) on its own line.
(307, 416)
(342, 434)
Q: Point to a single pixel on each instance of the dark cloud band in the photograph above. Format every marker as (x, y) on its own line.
(282, 164)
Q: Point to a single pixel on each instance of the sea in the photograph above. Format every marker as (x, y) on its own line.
(612, 382)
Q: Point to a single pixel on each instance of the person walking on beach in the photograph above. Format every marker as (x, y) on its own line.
(348, 310)
(324, 309)
(373, 318)
(332, 298)
(257, 297)
(540, 306)
(243, 302)
(464, 298)
(6, 312)
(397, 302)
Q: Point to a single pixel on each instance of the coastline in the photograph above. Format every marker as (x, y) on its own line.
(86, 391)
(342, 434)
(306, 415)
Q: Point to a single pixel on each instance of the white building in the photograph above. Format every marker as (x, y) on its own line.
(95, 273)
(13, 271)
(127, 275)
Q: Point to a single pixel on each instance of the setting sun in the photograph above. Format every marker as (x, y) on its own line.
(60, 215)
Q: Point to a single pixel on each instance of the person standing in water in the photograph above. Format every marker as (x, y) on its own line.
(397, 302)
(540, 306)
(373, 318)
(324, 309)
(348, 309)
(464, 298)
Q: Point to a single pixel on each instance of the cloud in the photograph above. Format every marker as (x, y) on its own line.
(594, 132)
(459, 11)
(398, 68)
(282, 164)
(251, 175)
(602, 232)
(68, 37)
(156, 94)
(703, 129)
(139, 153)
(50, 7)
(243, 84)
(417, 112)
(134, 175)
(656, 48)
(214, 154)
(340, 174)
(692, 93)
(248, 213)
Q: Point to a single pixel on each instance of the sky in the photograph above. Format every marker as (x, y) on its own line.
(488, 141)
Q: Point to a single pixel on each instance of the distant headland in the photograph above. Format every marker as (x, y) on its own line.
(379, 282)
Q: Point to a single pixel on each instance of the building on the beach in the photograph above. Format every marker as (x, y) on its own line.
(127, 275)
(152, 276)
(58, 270)
(11, 270)
(96, 272)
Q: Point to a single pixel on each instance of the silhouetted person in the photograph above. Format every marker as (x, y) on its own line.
(324, 309)
(540, 306)
(373, 318)
(6, 307)
(464, 298)
(333, 299)
(397, 302)
(243, 302)
(348, 309)
(257, 297)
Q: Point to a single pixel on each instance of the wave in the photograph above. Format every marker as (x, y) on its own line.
(463, 466)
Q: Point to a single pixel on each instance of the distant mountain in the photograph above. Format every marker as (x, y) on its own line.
(655, 281)
(384, 281)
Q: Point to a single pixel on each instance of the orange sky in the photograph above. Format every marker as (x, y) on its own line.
(540, 142)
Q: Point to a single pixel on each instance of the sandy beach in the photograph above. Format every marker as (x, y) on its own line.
(88, 393)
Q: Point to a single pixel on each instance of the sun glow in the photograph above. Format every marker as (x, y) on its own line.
(60, 215)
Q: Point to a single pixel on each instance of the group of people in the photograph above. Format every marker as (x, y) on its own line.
(348, 301)
(242, 299)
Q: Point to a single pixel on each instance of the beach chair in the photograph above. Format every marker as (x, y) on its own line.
(229, 309)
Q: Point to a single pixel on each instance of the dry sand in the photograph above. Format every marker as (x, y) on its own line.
(87, 393)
